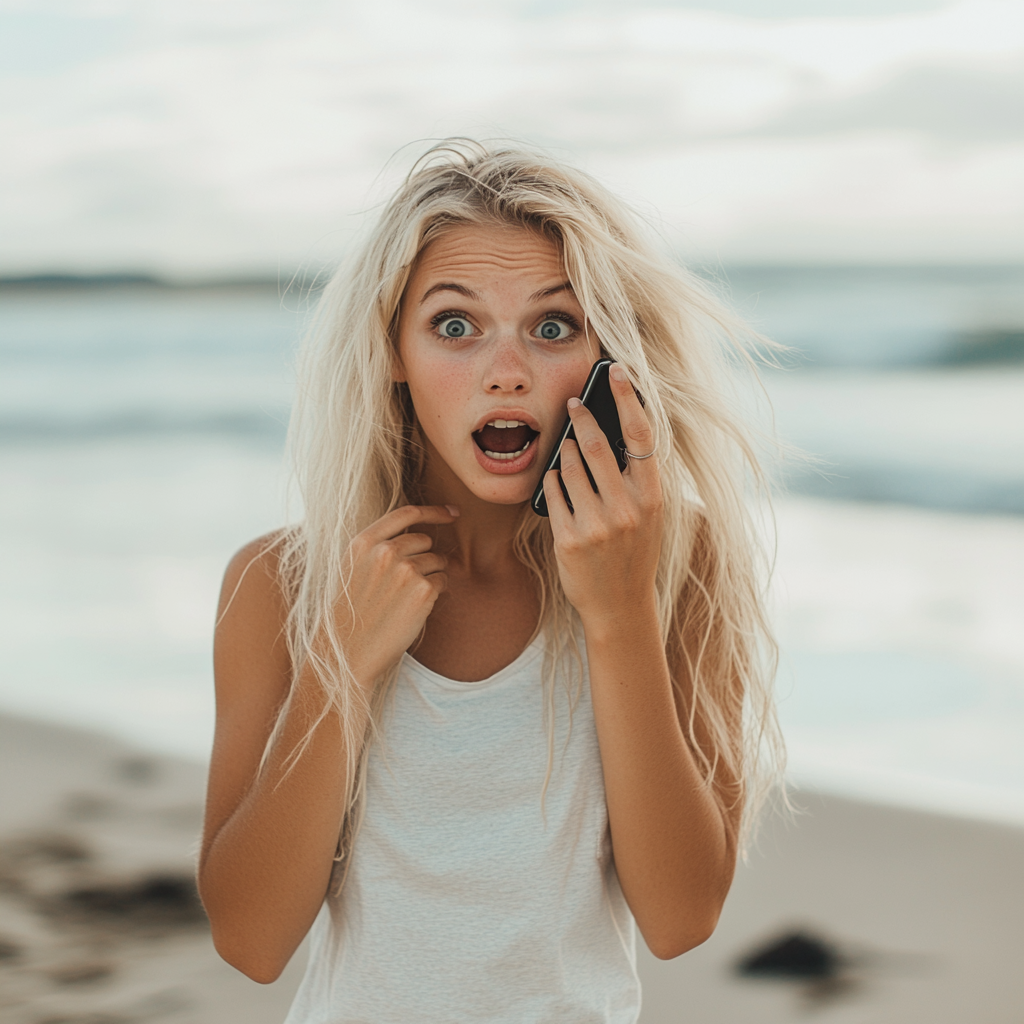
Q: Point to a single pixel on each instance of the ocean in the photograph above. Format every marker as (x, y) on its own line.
(141, 440)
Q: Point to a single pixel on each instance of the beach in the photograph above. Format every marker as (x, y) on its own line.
(916, 917)
(181, 183)
(141, 444)
(99, 921)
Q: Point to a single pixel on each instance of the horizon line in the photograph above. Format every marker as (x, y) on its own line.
(47, 280)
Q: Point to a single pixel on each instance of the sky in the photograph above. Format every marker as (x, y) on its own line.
(218, 137)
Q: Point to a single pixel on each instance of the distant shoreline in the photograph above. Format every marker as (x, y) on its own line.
(70, 280)
(147, 282)
(997, 340)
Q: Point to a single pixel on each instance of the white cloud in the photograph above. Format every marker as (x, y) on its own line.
(857, 197)
(844, 51)
(227, 136)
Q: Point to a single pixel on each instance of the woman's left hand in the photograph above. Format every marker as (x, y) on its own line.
(607, 552)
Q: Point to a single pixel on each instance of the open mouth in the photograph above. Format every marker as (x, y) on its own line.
(504, 440)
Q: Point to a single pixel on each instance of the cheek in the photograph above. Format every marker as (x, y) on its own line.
(438, 390)
(566, 381)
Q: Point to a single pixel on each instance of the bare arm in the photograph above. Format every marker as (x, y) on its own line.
(270, 836)
(675, 850)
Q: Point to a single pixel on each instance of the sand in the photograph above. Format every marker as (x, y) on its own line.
(921, 917)
(99, 922)
(928, 912)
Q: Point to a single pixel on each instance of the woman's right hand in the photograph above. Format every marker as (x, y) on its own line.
(394, 579)
(272, 821)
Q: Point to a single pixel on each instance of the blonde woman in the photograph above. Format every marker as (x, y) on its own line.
(468, 746)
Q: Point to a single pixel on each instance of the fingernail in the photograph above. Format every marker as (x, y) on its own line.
(574, 403)
(616, 372)
(453, 509)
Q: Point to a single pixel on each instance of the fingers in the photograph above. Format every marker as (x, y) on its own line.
(594, 447)
(439, 581)
(574, 476)
(558, 510)
(407, 544)
(400, 519)
(640, 486)
(636, 428)
(429, 563)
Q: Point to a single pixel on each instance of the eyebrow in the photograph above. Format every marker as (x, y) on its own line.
(450, 286)
(565, 286)
(447, 286)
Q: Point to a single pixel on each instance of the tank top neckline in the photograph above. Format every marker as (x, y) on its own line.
(532, 651)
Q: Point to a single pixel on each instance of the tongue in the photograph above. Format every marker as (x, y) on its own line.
(499, 439)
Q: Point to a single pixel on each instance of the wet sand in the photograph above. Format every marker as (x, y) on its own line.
(913, 917)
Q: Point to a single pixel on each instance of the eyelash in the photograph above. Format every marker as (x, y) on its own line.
(566, 318)
(436, 321)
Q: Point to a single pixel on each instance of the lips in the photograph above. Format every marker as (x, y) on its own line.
(505, 444)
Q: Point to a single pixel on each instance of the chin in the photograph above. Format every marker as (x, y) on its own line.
(502, 481)
(514, 489)
(511, 493)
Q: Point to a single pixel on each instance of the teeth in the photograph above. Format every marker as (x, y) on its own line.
(507, 455)
(505, 424)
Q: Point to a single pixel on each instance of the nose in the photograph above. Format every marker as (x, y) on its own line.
(508, 369)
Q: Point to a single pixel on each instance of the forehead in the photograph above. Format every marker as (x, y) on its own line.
(485, 251)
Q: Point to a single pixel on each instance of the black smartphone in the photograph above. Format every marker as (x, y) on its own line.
(598, 398)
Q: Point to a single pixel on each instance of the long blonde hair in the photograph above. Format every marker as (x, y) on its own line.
(353, 439)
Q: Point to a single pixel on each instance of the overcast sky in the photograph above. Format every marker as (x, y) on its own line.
(232, 136)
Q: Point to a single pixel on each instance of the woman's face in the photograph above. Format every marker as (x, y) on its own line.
(492, 345)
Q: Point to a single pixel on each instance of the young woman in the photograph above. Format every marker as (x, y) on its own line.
(467, 745)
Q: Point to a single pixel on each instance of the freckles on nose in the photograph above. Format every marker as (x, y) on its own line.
(508, 369)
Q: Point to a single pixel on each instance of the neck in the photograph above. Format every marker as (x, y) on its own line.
(480, 540)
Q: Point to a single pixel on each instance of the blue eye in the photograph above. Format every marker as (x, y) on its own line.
(455, 327)
(554, 330)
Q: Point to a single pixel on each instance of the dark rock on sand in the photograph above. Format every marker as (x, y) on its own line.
(794, 955)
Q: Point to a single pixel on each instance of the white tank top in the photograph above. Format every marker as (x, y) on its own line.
(466, 900)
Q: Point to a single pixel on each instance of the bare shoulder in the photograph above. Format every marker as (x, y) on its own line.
(252, 666)
(253, 575)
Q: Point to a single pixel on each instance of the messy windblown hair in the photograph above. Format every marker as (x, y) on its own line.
(356, 451)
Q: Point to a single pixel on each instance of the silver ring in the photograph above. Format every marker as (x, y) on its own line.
(630, 455)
